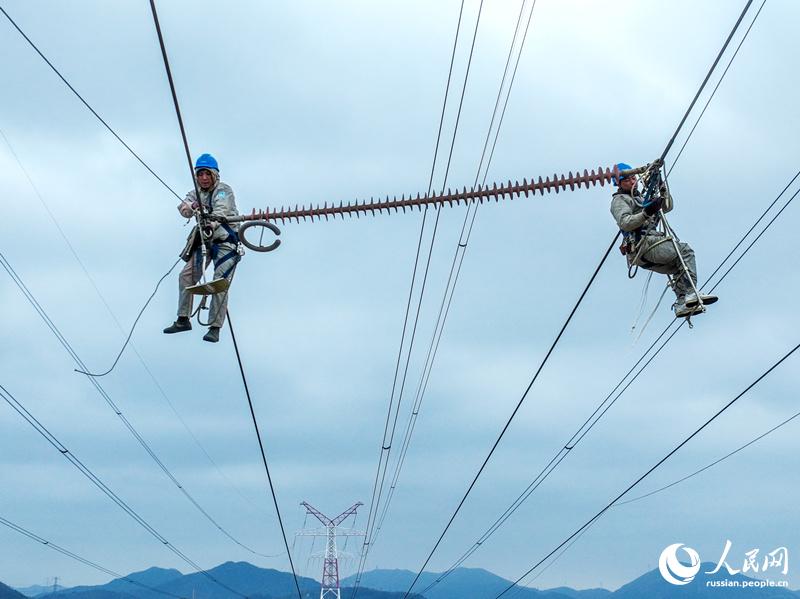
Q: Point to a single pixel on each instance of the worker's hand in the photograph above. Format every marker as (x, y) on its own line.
(185, 208)
(652, 207)
(658, 163)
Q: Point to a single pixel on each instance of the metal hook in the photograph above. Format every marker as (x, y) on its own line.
(258, 247)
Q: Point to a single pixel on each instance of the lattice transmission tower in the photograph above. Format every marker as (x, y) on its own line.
(330, 564)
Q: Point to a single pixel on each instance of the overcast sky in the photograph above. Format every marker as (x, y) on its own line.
(321, 101)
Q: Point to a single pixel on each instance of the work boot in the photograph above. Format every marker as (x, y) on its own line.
(682, 310)
(179, 326)
(212, 336)
(691, 299)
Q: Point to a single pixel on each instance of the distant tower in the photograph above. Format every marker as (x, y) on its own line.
(330, 566)
(55, 584)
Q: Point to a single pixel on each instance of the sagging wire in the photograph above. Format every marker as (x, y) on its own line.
(230, 325)
(375, 499)
(133, 326)
(86, 104)
(87, 562)
(663, 155)
(40, 428)
(677, 448)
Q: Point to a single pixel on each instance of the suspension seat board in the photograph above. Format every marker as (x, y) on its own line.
(210, 288)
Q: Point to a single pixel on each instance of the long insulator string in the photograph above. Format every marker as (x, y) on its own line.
(479, 194)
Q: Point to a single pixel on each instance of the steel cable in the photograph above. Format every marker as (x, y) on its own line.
(86, 104)
(230, 325)
(375, 499)
(18, 407)
(516, 409)
(710, 465)
(139, 438)
(50, 545)
(442, 314)
(141, 359)
(655, 466)
(263, 453)
(605, 405)
(663, 155)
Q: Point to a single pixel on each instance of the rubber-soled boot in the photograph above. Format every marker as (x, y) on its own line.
(212, 336)
(691, 299)
(179, 326)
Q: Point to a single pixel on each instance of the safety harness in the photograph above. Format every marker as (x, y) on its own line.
(633, 246)
(201, 243)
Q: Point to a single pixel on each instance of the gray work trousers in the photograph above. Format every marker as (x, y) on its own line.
(659, 255)
(225, 258)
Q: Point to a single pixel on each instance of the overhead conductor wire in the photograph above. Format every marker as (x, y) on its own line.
(656, 465)
(77, 359)
(387, 441)
(86, 104)
(710, 465)
(95, 480)
(235, 346)
(589, 423)
(659, 490)
(442, 314)
(653, 356)
(85, 270)
(580, 299)
(34, 537)
(656, 491)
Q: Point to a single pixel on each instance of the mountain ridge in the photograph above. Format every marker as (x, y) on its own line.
(234, 580)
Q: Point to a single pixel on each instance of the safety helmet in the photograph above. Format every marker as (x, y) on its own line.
(621, 166)
(207, 161)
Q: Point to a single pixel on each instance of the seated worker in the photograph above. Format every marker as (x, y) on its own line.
(647, 246)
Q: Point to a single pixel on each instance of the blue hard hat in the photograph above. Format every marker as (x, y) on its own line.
(206, 161)
(621, 166)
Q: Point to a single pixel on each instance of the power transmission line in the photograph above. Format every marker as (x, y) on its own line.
(514, 412)
(133, 431)
(83, 560)
(712, 464)
(383, 458)
(86, 104)
(110, 311)
(17, 406)
(660, 489)
(606, 405)
(716, 87)
(505, 428)
(442, 314)
(230, 326)
(657, 464)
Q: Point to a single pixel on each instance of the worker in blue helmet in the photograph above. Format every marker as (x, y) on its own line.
(652, 247)
(215, 204)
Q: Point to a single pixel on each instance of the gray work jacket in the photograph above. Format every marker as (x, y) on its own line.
(630, 215)
(219, 201)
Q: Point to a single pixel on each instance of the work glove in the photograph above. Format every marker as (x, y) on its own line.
(186, 209)
(658, 163)
(652, 207)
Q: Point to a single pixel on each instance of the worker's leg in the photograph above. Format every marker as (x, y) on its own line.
(661, 257)
(191, 274)
(225, 259)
